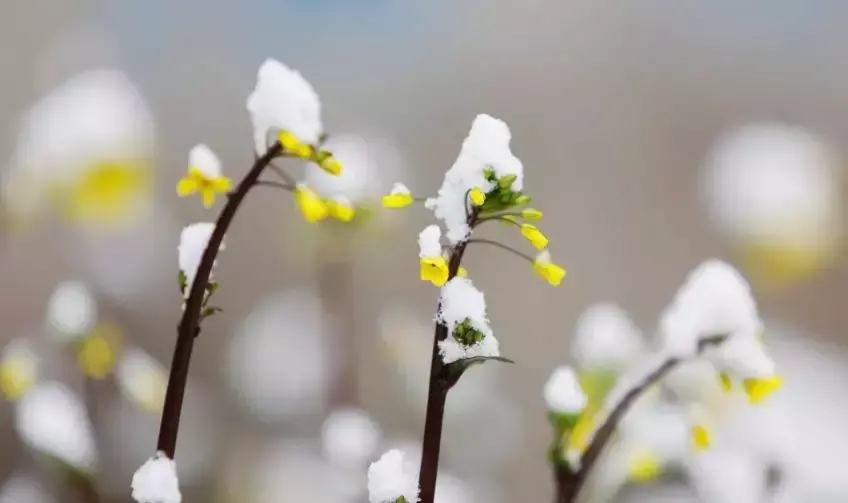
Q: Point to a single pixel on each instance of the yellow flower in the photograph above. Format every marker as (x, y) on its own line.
(341, 209)
(399, 197)
(726, 382)
(644, 467)
(97, 354)
(311, 206)
(196, 181)
(531, 214)
(579, 439)
(700, 437)
(331, 165)
(534, 235)
(434, 270)
(17, 376)
(551, 272)
(477, 196)
(760, 389)
(109, 192)
(293, 146)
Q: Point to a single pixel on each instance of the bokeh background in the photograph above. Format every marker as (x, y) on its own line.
(654, 136)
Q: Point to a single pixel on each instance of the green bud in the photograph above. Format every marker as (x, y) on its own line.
(507, 181)
(522, 200)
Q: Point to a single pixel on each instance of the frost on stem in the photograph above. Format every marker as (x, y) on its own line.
(463, 311)
(156, 481)
(390, 480)
(485, 148)
(283, 100)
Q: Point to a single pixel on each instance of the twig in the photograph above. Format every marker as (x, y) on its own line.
(503, 247)
(437, 393)
(189, 327)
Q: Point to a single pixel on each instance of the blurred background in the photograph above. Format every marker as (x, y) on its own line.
(654, 136)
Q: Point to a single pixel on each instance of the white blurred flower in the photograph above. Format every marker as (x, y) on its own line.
(283, 100)
(485, 147)
(156, 481)
(193, 241)
(370, 164)
(606, 339)
(71, 310)
(21, 488)
(142, 379)
(52, 419)
(279, 361)
(775, 189)
(350, 437)
(292, 470)
(88, 144)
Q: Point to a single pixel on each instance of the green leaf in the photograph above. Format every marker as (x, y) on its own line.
(454, 370)
(209, 311)
(182, 281)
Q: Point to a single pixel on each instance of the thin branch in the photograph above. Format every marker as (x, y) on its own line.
(501, 217)
(503, 247)
(437, 393)
(280, 172)
(189, 327)
(276, 185)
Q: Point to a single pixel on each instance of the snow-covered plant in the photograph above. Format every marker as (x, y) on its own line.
(711, 348)
(286, 115)
(485, 184)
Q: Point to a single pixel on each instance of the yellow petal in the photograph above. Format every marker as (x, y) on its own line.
(332, 166)
(551, 273)
(340, 211)
(221, 185)
(187, 186)
(760, 389)
(208, 197)
(700, 438)
(534, 236)
(477, 196)
(644, 467)
(17, 376)
(311, 206)
(397, 201)
(434, 270)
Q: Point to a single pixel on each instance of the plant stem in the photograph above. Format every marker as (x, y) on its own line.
(189, 327)
(436, 395)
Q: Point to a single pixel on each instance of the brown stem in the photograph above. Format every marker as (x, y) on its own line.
(566, 484)
(189, 326)
(436, 395)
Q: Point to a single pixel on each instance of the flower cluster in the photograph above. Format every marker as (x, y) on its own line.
(713, 352)
(285, 111)
(484, 184)
(86, 149)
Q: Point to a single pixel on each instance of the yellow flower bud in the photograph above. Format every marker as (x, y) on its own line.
(434, 270)
(532, 234)
(477, 196)
(700, 438)
(760, 389)
(726, 382)
(397, 201)
(331, 165)
(531, 214)
(341, 210)
(311, 206)
(644, 467)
